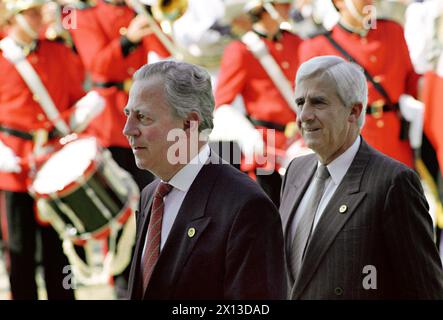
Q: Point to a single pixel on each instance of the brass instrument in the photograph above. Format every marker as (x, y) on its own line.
(169, 11)
(165, 12)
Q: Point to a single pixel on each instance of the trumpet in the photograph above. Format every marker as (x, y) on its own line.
(165, 11)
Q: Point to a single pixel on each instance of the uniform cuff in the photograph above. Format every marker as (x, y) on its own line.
(127, 46)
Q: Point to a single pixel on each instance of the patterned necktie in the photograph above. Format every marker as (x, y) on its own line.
(303, 229)
(152, 247)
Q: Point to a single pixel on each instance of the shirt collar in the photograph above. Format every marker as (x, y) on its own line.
(361, 32)
(184, 178)
(277, 37)
(339, 166)
(27, 48)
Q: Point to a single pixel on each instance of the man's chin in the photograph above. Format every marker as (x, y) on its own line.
(140, 164)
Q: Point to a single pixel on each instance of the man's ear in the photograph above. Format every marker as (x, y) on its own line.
(356, 111)
(191, 121)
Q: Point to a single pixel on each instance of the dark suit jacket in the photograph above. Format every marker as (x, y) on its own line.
(237, 251)
(386, 225)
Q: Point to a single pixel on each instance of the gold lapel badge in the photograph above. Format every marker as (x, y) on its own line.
(343, 208)
(191, 232)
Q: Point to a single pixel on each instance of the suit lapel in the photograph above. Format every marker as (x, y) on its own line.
(142, 227)
(297, 190)
(182, 238)
(332, 220)
(295, 193)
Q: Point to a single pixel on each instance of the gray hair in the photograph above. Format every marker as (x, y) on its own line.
(350, 81)
(187, 88)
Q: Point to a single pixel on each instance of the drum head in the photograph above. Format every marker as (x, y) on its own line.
(65, 166)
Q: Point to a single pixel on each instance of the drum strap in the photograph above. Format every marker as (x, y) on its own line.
(259, 50)
(13, 53)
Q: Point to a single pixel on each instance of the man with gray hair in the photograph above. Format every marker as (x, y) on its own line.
(341, 206)
(204, 229)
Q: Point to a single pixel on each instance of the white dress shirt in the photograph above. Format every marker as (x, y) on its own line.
(181, 182)
(337, 169)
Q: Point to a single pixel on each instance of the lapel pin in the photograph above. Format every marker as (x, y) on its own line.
(191, 232)
(343, 208)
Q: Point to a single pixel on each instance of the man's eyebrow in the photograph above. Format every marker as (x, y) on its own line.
(299, 100)
(318, 99)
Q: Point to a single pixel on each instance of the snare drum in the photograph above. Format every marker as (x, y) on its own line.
(82, 191)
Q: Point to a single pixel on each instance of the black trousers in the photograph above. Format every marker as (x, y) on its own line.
(125, 159)
(23, 231)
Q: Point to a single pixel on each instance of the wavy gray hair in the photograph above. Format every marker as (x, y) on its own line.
(187, 88)
(349, 79)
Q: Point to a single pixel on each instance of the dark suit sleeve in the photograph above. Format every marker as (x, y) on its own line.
(255, 257)
(408, 234)
(286, 177)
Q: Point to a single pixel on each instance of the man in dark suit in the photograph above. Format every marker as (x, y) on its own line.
(355, 221)
(204, 230)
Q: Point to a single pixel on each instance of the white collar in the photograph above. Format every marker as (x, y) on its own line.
(184, 178)
(339, 166)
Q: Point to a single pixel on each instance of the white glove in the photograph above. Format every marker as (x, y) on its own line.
(86, 109)
(231, 125)
(9, 162)
(413, 110)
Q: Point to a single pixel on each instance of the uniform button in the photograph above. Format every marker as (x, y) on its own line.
(33, 59)
(123, 31)
(40, 117)
(380, 123)
(278, 47)
(131, 70)
(377, 79)
(364, 41)
(373, 59)
(338, 291)
(285, 64)
(47, 125)
(35, 98)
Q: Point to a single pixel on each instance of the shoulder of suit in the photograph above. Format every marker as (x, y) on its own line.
(391, 167)
(231, 177)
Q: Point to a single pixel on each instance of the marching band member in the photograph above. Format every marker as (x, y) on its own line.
(267, 107)
(35, 79)
(424, 34)
(113, 42)
(383, 52)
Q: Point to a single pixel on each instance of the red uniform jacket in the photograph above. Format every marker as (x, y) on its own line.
(433, 97)
(58, 69)
(242, 74)
(97, 39)
(384, 54)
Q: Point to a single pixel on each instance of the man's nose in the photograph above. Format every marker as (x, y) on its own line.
(306, 114)
(130, 129)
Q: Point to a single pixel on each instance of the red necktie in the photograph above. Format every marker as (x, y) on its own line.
(152, 247)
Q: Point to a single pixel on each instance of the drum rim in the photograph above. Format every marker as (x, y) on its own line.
(105, 230)
(92, 168)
